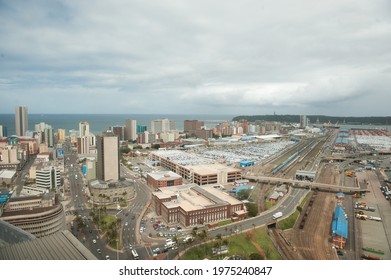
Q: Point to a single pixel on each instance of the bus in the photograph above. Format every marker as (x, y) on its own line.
(134, 254)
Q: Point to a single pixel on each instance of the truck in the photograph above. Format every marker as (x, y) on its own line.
(277, 215)
(375, 218)
(361, 217)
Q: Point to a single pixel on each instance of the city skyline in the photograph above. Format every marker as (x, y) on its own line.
(241, 58)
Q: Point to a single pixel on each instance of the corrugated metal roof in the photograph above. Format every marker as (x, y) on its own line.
(340, 223)
(59, 246)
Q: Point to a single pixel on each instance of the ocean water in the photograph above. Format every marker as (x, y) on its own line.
(99, 123)
(102, 122)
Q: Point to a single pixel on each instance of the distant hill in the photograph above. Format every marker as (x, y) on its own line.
(314, 118)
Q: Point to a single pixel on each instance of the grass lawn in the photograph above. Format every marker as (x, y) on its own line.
(108, 220)
(238, 244)
(291, 220)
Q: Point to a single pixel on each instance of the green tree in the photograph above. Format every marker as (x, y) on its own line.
(124, 150)
(243, 194)
(252, 209)
(155, 146)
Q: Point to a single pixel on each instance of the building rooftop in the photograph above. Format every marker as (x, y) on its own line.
(340, 223)
(191, 197)
(206, 169)
(15, 244)
(7, 174)
(99, 184)
(164, 175)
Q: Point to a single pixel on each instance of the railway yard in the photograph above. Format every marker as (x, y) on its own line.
(354, 162)
(311, 237)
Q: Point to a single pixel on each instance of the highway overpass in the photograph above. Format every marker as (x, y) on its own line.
(305, 184)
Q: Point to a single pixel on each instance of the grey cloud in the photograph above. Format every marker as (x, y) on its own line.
(228, 55)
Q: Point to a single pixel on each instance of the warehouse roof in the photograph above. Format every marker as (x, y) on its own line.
(340, 223)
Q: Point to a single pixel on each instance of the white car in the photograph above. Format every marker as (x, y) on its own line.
(126, 224)
(94, 241)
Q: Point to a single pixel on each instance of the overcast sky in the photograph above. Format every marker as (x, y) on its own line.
(226, 57)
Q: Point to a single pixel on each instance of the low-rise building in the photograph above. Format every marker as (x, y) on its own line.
(111, 192)
(7, 176)
(39, 215)
(192, 205)
(196, 169)
(164, 179)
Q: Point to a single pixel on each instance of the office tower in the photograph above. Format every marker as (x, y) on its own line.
(21, 120)
(119, 131)
(45, 134)
(48, 177)
(143, 137)
(84, 129)
(61, 135)
(141, 128)
(4, 131)
(190, 125)
(303, 121)
(83, 145)
(131, 130)
(107, 166)
(162, 125)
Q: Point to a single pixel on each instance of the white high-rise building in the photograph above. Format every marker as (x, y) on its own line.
(48, 177)
(303, 121)
(84, 129)
(131, 130)
(162, 125)
(21, 120)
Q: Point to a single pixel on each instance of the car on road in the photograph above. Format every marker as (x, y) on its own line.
(94, 241)
(156, 250)
(107, 257)
(126, 224)
(99, 251)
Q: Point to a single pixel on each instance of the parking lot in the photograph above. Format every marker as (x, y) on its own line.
(376, 234)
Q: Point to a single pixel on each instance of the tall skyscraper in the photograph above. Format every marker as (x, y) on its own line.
(162, 125)
(107, 166)
(190, 125)
(303, 121)
(61, 135)
(141, 128)
(131, 130)
(84, 129)
(21, 120)
(119, 131)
